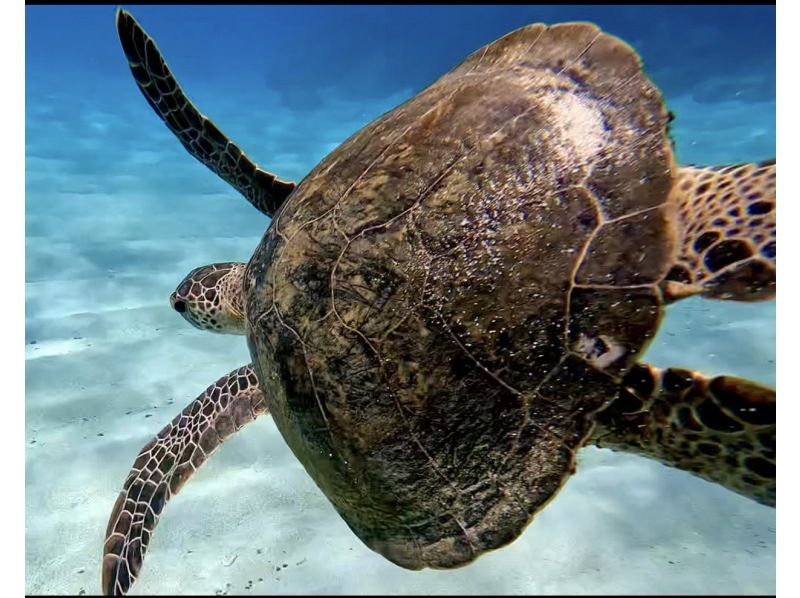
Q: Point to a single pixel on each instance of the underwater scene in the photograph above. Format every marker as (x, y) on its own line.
(118, 212)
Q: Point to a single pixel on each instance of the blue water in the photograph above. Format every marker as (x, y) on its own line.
(117, 213)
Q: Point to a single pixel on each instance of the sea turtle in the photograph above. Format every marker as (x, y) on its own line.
(452, 303)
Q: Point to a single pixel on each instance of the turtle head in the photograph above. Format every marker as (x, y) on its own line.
(210, 298)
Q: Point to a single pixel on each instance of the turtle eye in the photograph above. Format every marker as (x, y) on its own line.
(180, 306)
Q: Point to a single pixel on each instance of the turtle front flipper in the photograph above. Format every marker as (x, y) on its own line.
(196, 132)
(721, 429)
(728, 219)
(165, 464)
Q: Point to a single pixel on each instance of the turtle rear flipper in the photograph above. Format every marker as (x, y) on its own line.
(728, 220)
(721, 429)
(165, 464)
(196, 132)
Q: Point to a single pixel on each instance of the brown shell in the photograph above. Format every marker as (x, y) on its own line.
(441, 305)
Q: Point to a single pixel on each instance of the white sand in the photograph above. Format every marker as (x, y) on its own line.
(114, 223)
